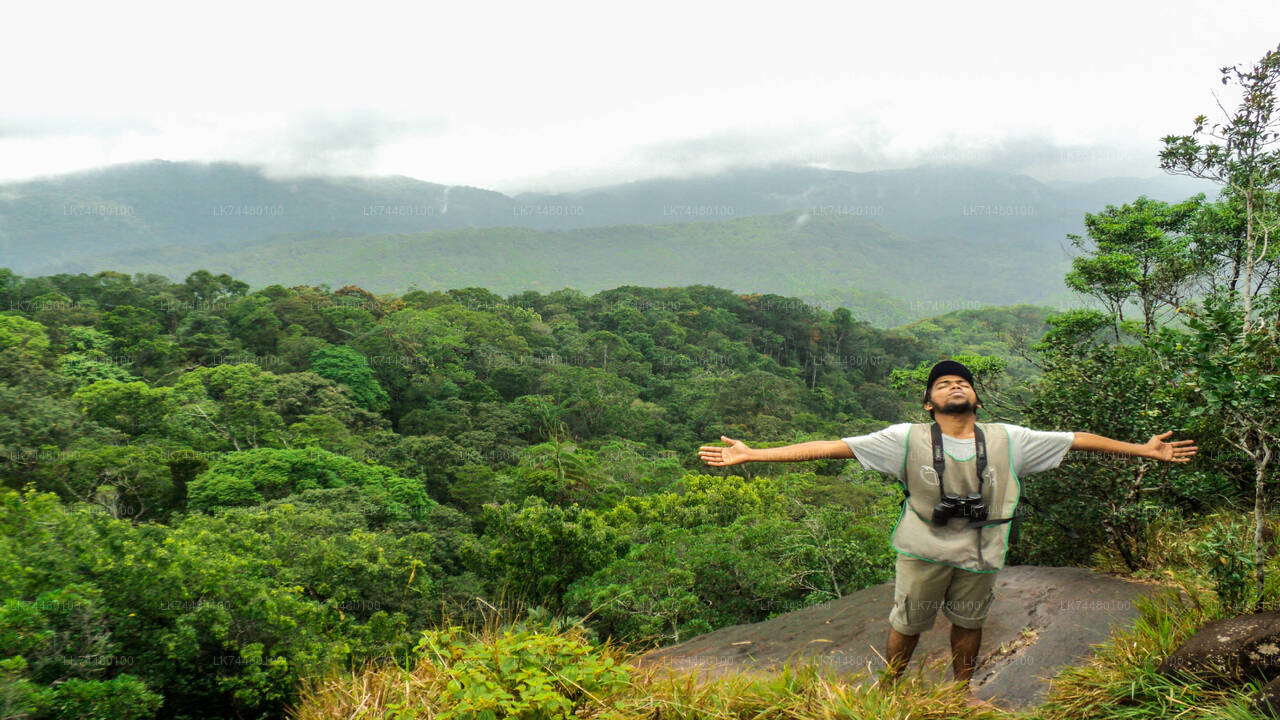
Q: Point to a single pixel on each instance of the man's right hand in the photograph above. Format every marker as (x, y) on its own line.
(736, 453)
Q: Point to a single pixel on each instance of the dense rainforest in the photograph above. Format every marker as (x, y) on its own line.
(217, 492)
(252, 484)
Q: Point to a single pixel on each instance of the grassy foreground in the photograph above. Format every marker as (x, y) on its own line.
(542, 669)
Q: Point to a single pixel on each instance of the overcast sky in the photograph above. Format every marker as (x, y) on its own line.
(564, 95)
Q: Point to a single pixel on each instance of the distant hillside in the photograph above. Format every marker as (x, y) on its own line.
(829, 260)
(66, 223)
(59, 222)
(998, 331)
(928, 202)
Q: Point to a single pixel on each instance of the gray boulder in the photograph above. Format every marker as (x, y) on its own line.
(1230, 650)
(1043, 619)
(1267, 704)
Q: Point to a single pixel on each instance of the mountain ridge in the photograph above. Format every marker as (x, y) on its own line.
(161, 202)
(830, 261)
(174, 218)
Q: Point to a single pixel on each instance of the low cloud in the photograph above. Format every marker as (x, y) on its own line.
(360, 141)
(1033, 154)
(342, 142)
(21, 127)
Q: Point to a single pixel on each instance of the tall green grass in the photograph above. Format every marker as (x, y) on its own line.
(482, 673)
(1121, 681)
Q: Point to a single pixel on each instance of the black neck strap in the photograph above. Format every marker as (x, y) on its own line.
(939, 462)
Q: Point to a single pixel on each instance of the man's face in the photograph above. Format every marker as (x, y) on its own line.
(952, 395)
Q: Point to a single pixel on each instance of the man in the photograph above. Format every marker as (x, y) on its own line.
(951, 563)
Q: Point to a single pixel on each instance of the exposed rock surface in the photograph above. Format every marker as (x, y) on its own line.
(1267, 703)
(1231, 650)
(1042, 618)
(1234, 651)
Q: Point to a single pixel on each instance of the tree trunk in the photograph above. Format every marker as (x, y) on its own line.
(1235, 269)
(1249, 242)
(1119, 542)
(1259, 519)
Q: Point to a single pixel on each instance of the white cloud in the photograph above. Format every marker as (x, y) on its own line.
(559, 96)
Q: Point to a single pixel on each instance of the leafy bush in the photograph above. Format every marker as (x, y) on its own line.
(344, 365)
(538, 550)
(221, 615)
(1230, 566)
(256, 476)
(729, 551)
(520, 674)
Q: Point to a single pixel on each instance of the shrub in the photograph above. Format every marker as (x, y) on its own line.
(522, 673)
(251, 477)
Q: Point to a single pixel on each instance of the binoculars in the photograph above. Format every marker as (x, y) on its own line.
(959, 506)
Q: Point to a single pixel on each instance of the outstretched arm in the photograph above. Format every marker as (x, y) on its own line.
(738, 452)
(1156, 448)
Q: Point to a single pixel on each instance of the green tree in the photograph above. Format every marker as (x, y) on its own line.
(35, 425)
(128, 481)
(226, 407)
(130, 407)
(432, 459)
(24, 338)
(649, 595)
(300, 394)
(252, 477)
(253, 322)
(1246, 161)
(137, 333)
(130, 326)
(205, 337)
(1238, 378)
(204, 289)
(340, 547)
(344, 365)
(1243, 159)
(538, 550)
(1120, 390)
(190, 614)
(86, 357)
(730, 551)
(296, 346)
(1142, 252)
(593, 402)
(563, 474)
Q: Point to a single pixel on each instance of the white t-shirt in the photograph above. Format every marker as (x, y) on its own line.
(1032, 451)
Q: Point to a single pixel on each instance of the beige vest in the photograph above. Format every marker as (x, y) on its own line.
(976, 549)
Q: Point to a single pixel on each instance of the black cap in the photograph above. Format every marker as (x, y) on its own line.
(948, 367)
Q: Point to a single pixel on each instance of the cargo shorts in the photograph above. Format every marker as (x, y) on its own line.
(922, 587)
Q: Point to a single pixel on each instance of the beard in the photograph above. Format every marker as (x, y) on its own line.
(957, 406)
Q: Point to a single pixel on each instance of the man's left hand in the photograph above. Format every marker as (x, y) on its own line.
(1177, 451)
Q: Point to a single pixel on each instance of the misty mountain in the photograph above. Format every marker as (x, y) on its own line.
(69, 223)
(56, 221)
(825, 260)
(924, 202)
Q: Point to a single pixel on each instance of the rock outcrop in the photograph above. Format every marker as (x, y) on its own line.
(1042, 619)
(1234, 651)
